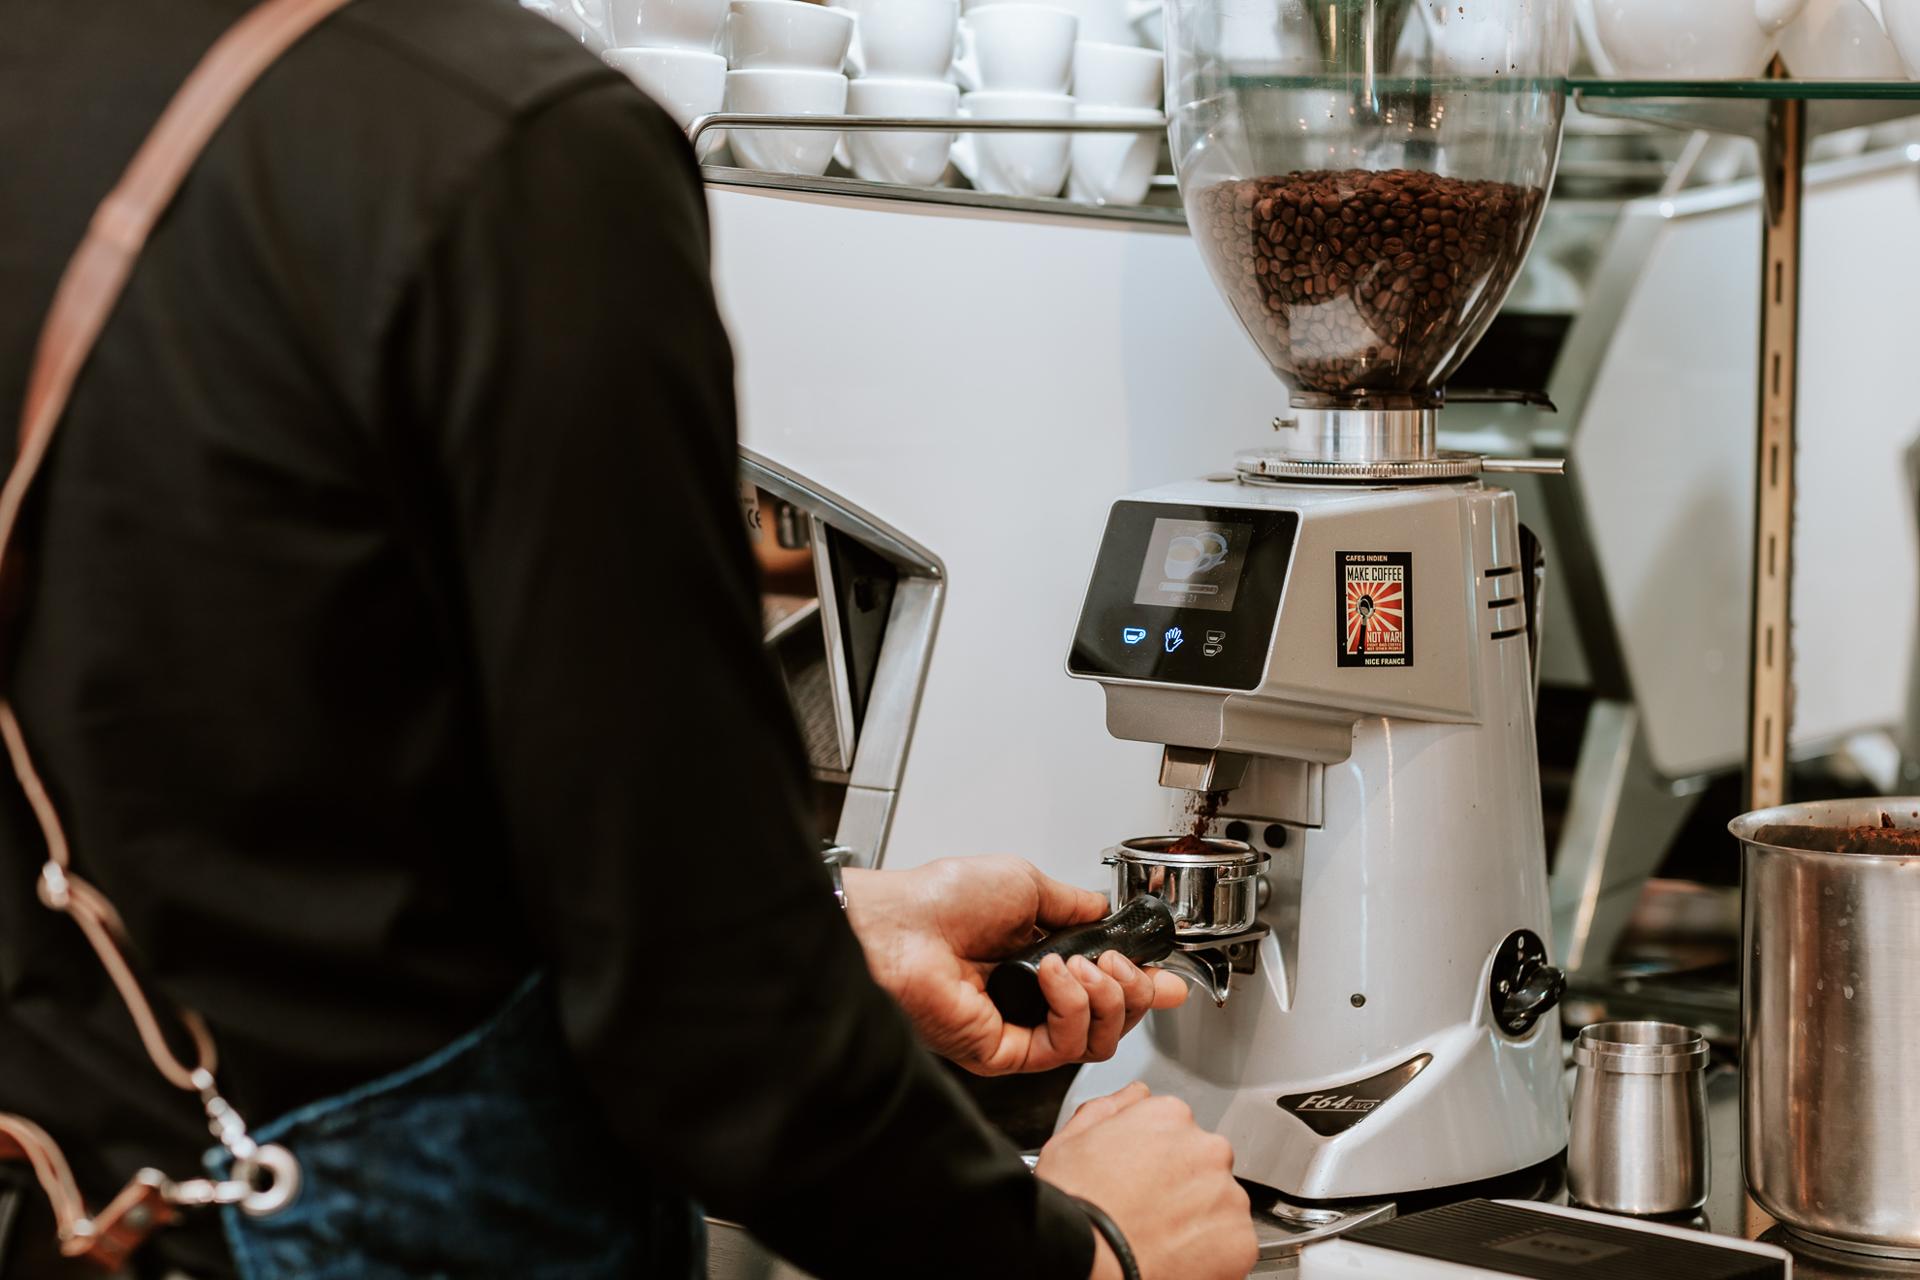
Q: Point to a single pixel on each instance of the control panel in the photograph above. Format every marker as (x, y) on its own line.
(1185, 594)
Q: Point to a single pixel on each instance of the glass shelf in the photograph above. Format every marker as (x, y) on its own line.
(1763, 90)
(1737, 107)
(1740, 107)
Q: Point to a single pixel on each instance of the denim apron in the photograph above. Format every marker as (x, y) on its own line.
(486, 1159)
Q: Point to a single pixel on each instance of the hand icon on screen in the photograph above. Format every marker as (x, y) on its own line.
(1175, 637)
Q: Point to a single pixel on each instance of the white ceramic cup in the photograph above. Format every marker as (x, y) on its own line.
(783, 91)
(1014, 164)
(1149, 22)
(1902, 21)
(1476, 39)
(1839, 40)
(587, 26)
(912, 159)
(1117, 75)
(688, 83)
(902, 39)
(1114, 168)
(1701, 39)
(1279, 37)
(1590, 37)
(1017, 47)
(666, 24)
(787, 35)
(1105, 21)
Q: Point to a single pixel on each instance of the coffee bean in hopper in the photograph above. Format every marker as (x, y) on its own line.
(1364, 280)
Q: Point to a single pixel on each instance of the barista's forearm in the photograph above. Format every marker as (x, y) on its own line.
(649, 773)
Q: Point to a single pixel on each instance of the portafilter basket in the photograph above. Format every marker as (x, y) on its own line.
(1167, 890)
(1212, 885)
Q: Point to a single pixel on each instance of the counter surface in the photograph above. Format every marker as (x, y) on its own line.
(734, 1256)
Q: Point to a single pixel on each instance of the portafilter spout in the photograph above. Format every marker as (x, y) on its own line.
(1206, 970)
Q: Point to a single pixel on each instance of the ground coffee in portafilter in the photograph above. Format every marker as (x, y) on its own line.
(1364, 280)
(1205, 807)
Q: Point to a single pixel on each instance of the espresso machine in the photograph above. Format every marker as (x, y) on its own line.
(1333, 643)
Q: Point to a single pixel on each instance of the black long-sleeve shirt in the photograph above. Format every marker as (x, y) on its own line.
(391, 632)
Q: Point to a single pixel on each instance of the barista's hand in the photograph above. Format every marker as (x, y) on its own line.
(932, 934)
(1167, 1183)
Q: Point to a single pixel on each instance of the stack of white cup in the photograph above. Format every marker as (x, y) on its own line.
(1115, 82)
(786, 58)
(1016, 63)
(1111, 21)
(667, 48)
(902, 51)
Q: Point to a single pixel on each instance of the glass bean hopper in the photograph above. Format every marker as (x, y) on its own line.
(1364, 178)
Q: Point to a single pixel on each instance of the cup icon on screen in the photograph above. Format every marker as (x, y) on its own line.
(1194, 553)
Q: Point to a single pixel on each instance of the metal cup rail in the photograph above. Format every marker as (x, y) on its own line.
(1163, 214)
(914, 124)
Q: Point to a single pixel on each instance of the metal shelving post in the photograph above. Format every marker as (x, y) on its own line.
(1782, 116)
(1770, 674)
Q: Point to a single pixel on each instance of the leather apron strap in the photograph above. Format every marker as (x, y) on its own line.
(88, 291)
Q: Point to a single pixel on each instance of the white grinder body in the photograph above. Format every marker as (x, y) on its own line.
(1353, 667)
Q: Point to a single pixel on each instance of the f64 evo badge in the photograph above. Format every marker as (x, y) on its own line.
(1339, 1108)
(1374, 608)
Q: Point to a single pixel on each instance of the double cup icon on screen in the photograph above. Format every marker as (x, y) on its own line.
(1194, 553)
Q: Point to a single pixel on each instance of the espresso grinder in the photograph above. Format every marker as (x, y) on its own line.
(1334, 643)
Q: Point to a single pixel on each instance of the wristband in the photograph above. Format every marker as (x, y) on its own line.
(1110, 1232)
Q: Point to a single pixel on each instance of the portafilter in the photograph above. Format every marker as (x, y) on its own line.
(1168, 891)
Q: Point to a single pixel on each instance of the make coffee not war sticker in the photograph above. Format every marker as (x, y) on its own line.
(1375, 608)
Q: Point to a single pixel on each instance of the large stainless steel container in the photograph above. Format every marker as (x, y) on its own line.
(1830, 1011)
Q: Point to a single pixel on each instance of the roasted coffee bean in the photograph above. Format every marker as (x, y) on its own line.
(1353, 280)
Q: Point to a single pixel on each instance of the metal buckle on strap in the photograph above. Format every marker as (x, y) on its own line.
(55, 890)
(110, 1237)
(255, 1196)
(251, 1162)
(225, 1123)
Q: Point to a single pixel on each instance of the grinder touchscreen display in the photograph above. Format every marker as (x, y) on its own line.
(1193, 564)
(1185, 593)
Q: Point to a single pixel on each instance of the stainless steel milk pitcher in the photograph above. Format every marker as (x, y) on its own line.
(1638, 1142)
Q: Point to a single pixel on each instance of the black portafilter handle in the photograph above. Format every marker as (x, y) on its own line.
(1142, 931)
